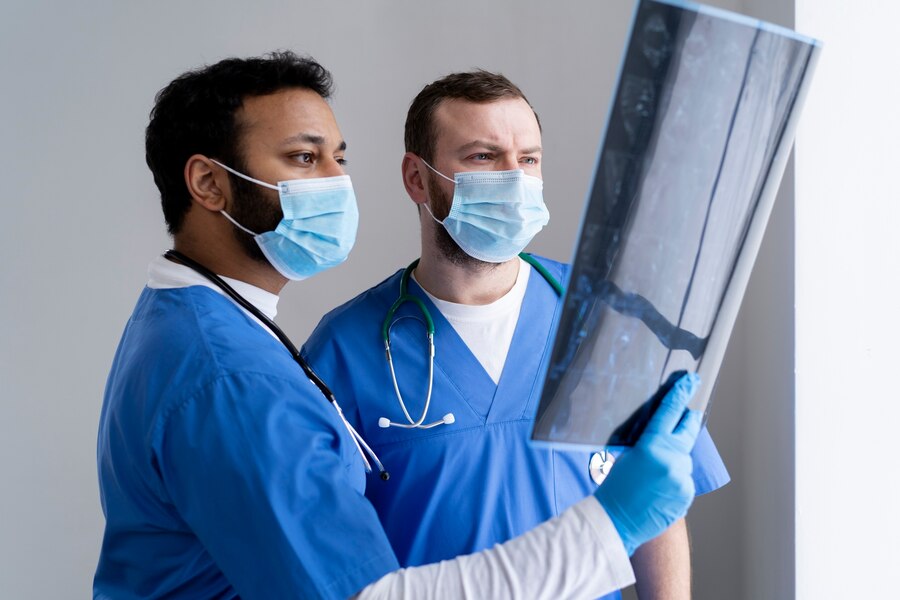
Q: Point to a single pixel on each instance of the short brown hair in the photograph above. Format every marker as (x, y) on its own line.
(479, 86)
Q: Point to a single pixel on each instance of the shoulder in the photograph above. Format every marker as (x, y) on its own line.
(555, 267)
(247, 386)
(192, 351)
(180, 342)
(364, 312)
(558, 270)
(201, 323)
(247, 401)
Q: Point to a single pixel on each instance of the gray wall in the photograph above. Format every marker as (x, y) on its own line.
(743, 536)
(83, 221)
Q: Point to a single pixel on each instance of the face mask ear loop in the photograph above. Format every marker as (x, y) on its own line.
(248, 178)
(436, 171)
(238, 225)
(442, 175)
(242, 176)
(432, 214)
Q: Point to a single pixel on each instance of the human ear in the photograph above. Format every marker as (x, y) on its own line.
(207, 184)
(411, 168)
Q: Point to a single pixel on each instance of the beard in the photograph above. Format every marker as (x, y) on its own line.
(446, 245)
(254, 209)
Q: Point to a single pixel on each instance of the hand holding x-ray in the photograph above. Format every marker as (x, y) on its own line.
(651, 486)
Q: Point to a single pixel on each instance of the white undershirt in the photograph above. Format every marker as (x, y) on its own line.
(487, 329)
(576, 555)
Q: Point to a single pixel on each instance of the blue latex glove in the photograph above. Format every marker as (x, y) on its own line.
(651, 486)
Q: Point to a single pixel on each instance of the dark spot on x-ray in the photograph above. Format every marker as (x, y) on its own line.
(618, 179)
(634, 305)
(656, 41)
(638, 107)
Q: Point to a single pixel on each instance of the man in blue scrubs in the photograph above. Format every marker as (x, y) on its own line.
(223, 470)
(465, 476)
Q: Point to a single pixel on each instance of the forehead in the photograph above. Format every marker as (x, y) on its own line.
(509, 121)
(270, 119)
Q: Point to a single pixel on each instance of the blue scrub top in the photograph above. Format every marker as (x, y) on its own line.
(460, 488)
(223, 471)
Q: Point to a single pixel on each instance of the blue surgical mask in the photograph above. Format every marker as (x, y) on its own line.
(317, 229)
(494, 214)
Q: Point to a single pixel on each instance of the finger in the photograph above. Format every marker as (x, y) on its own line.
(685, 434)
(673, 404)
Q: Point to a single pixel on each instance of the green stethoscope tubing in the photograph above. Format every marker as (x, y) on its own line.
(402, 299)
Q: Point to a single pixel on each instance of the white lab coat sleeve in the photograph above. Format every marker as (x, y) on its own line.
(576, 555)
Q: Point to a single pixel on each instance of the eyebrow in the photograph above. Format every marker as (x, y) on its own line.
(495, 147)
(309, 138)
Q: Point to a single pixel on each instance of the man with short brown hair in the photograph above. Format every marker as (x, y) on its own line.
(452, 421)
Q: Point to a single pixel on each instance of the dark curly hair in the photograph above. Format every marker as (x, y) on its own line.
(195, 114)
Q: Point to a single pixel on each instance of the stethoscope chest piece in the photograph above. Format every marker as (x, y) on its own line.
(600, 465)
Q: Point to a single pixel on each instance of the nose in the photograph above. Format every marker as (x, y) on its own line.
(508, 163)
(331, 168)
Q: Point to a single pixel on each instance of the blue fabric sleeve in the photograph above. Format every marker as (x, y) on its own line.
(709, 471)
(258, 469)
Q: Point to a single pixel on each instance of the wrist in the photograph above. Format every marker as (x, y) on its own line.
(619, 518)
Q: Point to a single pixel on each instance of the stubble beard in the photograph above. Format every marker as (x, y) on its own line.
(254, 209)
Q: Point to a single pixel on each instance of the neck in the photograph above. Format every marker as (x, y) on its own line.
(233, 263)
(468, 283)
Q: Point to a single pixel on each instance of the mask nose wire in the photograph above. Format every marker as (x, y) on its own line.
(428, 208)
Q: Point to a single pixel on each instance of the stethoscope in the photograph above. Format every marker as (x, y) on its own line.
(389, 321)
(283, 338)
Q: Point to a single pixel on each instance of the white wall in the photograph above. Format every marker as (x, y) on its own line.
(848, 324)
(82, 217)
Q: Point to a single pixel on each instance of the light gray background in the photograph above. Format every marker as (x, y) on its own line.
(83, 220)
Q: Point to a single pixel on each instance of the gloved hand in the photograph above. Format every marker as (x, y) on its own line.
(651, 486)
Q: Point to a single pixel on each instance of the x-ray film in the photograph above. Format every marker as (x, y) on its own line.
(696, 141)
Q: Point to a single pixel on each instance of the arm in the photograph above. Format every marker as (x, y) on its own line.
(256, 466)
(255, 469)
(577, 554)
(662, 566)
